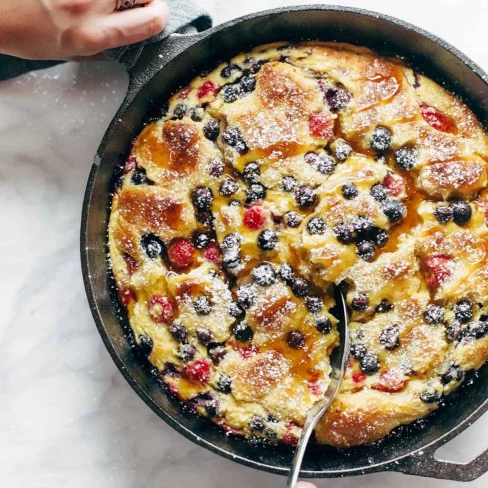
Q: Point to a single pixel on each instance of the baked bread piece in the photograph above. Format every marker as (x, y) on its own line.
(283, 171)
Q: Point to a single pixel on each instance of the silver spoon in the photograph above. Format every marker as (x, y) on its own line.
(338, 361)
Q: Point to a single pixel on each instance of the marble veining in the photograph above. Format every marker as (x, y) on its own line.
(67, 417)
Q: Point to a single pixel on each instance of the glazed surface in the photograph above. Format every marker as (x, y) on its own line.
(283, 171)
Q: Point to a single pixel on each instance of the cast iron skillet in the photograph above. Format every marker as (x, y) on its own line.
(161, 70)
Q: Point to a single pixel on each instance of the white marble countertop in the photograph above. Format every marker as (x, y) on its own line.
(67, 417)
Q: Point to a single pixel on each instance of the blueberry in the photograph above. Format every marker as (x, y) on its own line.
(216, 351)
(202, 198)
(406, 158)
(316, 226)
(251, 173)
(295, 339)
(461, 212)
(186, 352)
(300, 287)
(230, 93)
(229, 70)
(242, 332)
(231, 241)
(224, 384)
(236, 311)
(390, 337)
(216, 168)
(366, 250)
(344, 233)
(358, 351)
(139, 177)
(267, 240)
(314, 304)
(146, 345)
(255, 193)
(196, 114)
(394, 210)
(245, 296)
(286, 273)
(360, 302)
(381, 140)
(381, 238)
(379, 192)
(434, 314)
(211, 130)
(205, 217)
(305, 197)
(337, 98)
(289, 184)
(342, 150)
(384, 307)
(477, 330)
(153, 246)
(180, 111)
(463, 311)
(178, 331)
(349, 191)
(323, 325)
(264, 274)
(228, 187)
(204, 336)
(234, 203)
(202, 305)
(248, 84)
(364, 227)
(257, 423)
(233, 137)
(231, 259)
(201, 240)
(212, 407)
(323, 164)
(369, 364)
(453, 374)
(443, 214)
(292, 219)
(430, 395)
(453, 331)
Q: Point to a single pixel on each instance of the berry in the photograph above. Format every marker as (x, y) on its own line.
(435, 119)
(305, 197)
(389, 382)
(199, 371)
(139, 177)
(242, 332)
(207, 89)
(321, 125)
(364, 227)
(384, 307)
(443, 214)
(228, 187)
(463, 311)
(323, 164)
(406, 158)
(300, 287)
(394, 210)
(229, 70)
(316, 226)
(369, 364)
(205, 217)
(212, 407)
(394, 185)
(349, 191)
(231, 241)
(366, 250)
(295, 339)
(342, 150)
(264, 274)
(289, 184)
(233, 137)
(245, 296)
(145, 345)
(323, 325)
(477, 330)
(236, 311)
(212, 253)
(201, 240)
(344, 233)
(390, 337)
(251, 173)
(314, 304)
(461, 213)
(180, 111)
(430, 396)
(196, 114)
(224, 384)
(337, 98)
(292, 219)
(257, 423)
(453, 374)
(360, 302)
(202, 305)
(255, 193)
(381, 140)
(358, 351)
(216, 168)
(434, 314)
(231, 259)
(180, 253)
(437, 269)
(153, 246)
(453, 331)
(230, 93)
(267, 240)
(379, 192)
(160, 309)
(381, 238)
(186, 352)
(358, 377)
(130, 165)
(254, 218)
(286, 273)
(211, 130)
(178, 331)
(216, 351)
(204, 336)
(248, 84)
(202, 198)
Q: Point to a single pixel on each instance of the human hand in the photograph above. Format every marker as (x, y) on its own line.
(68, 29)
(303, 484)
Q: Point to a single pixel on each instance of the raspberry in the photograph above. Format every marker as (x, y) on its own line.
(207, 89)
(160, 309)
(289, 440)
(126, 295)
(130, 165)
(183, 95)
(314, 387)
(212, 253)
(248, 351)
(254, 218)
(181, 253)
(435, 119)
(321, 125)
(131, 263)
(438, 269)
(358, 376)
(199, 370)
(389, 382)
(393, 185)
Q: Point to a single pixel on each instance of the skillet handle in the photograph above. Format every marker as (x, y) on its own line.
(429, 466)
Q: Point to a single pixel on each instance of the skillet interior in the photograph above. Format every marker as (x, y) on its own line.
(388, 36)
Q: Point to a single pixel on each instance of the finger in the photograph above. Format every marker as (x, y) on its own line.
(94, 57)
(108, 6)
(303, 484)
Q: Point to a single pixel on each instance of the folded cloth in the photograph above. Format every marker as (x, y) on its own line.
(185, 18)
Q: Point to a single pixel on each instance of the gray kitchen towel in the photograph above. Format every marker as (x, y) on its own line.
(185, 18)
